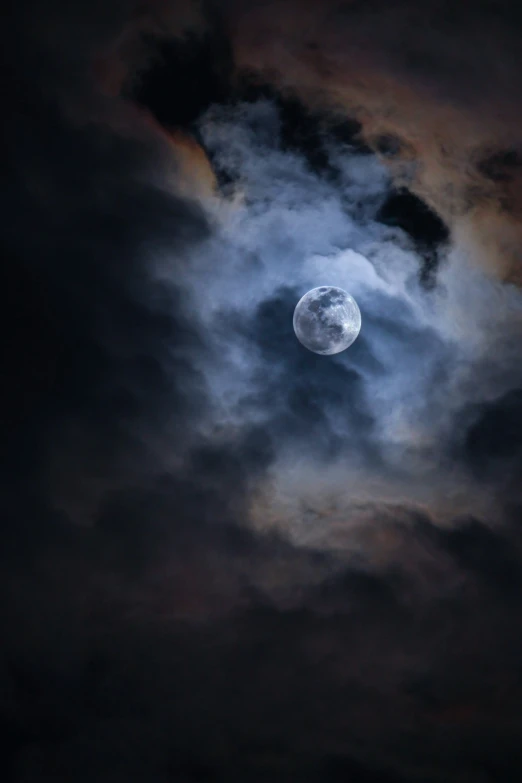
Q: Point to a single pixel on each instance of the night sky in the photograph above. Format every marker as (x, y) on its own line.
(225, 558)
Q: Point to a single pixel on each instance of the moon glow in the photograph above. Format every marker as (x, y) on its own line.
(327, 320)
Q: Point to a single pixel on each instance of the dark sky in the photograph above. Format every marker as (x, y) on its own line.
(225, 558)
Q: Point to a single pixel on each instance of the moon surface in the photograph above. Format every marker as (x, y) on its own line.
(327, 320)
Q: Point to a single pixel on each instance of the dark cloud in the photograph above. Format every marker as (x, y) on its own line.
(500, 165)
(365, 674)
(223, 557)
(111, 324)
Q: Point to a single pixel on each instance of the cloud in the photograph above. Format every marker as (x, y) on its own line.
(391, 415)
(224, 557)
(411, 74)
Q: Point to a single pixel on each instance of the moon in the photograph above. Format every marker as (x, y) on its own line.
(327, 320)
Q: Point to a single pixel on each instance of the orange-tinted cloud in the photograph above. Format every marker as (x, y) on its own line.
(436, 88)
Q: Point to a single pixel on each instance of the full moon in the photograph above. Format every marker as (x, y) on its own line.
(327, 320)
